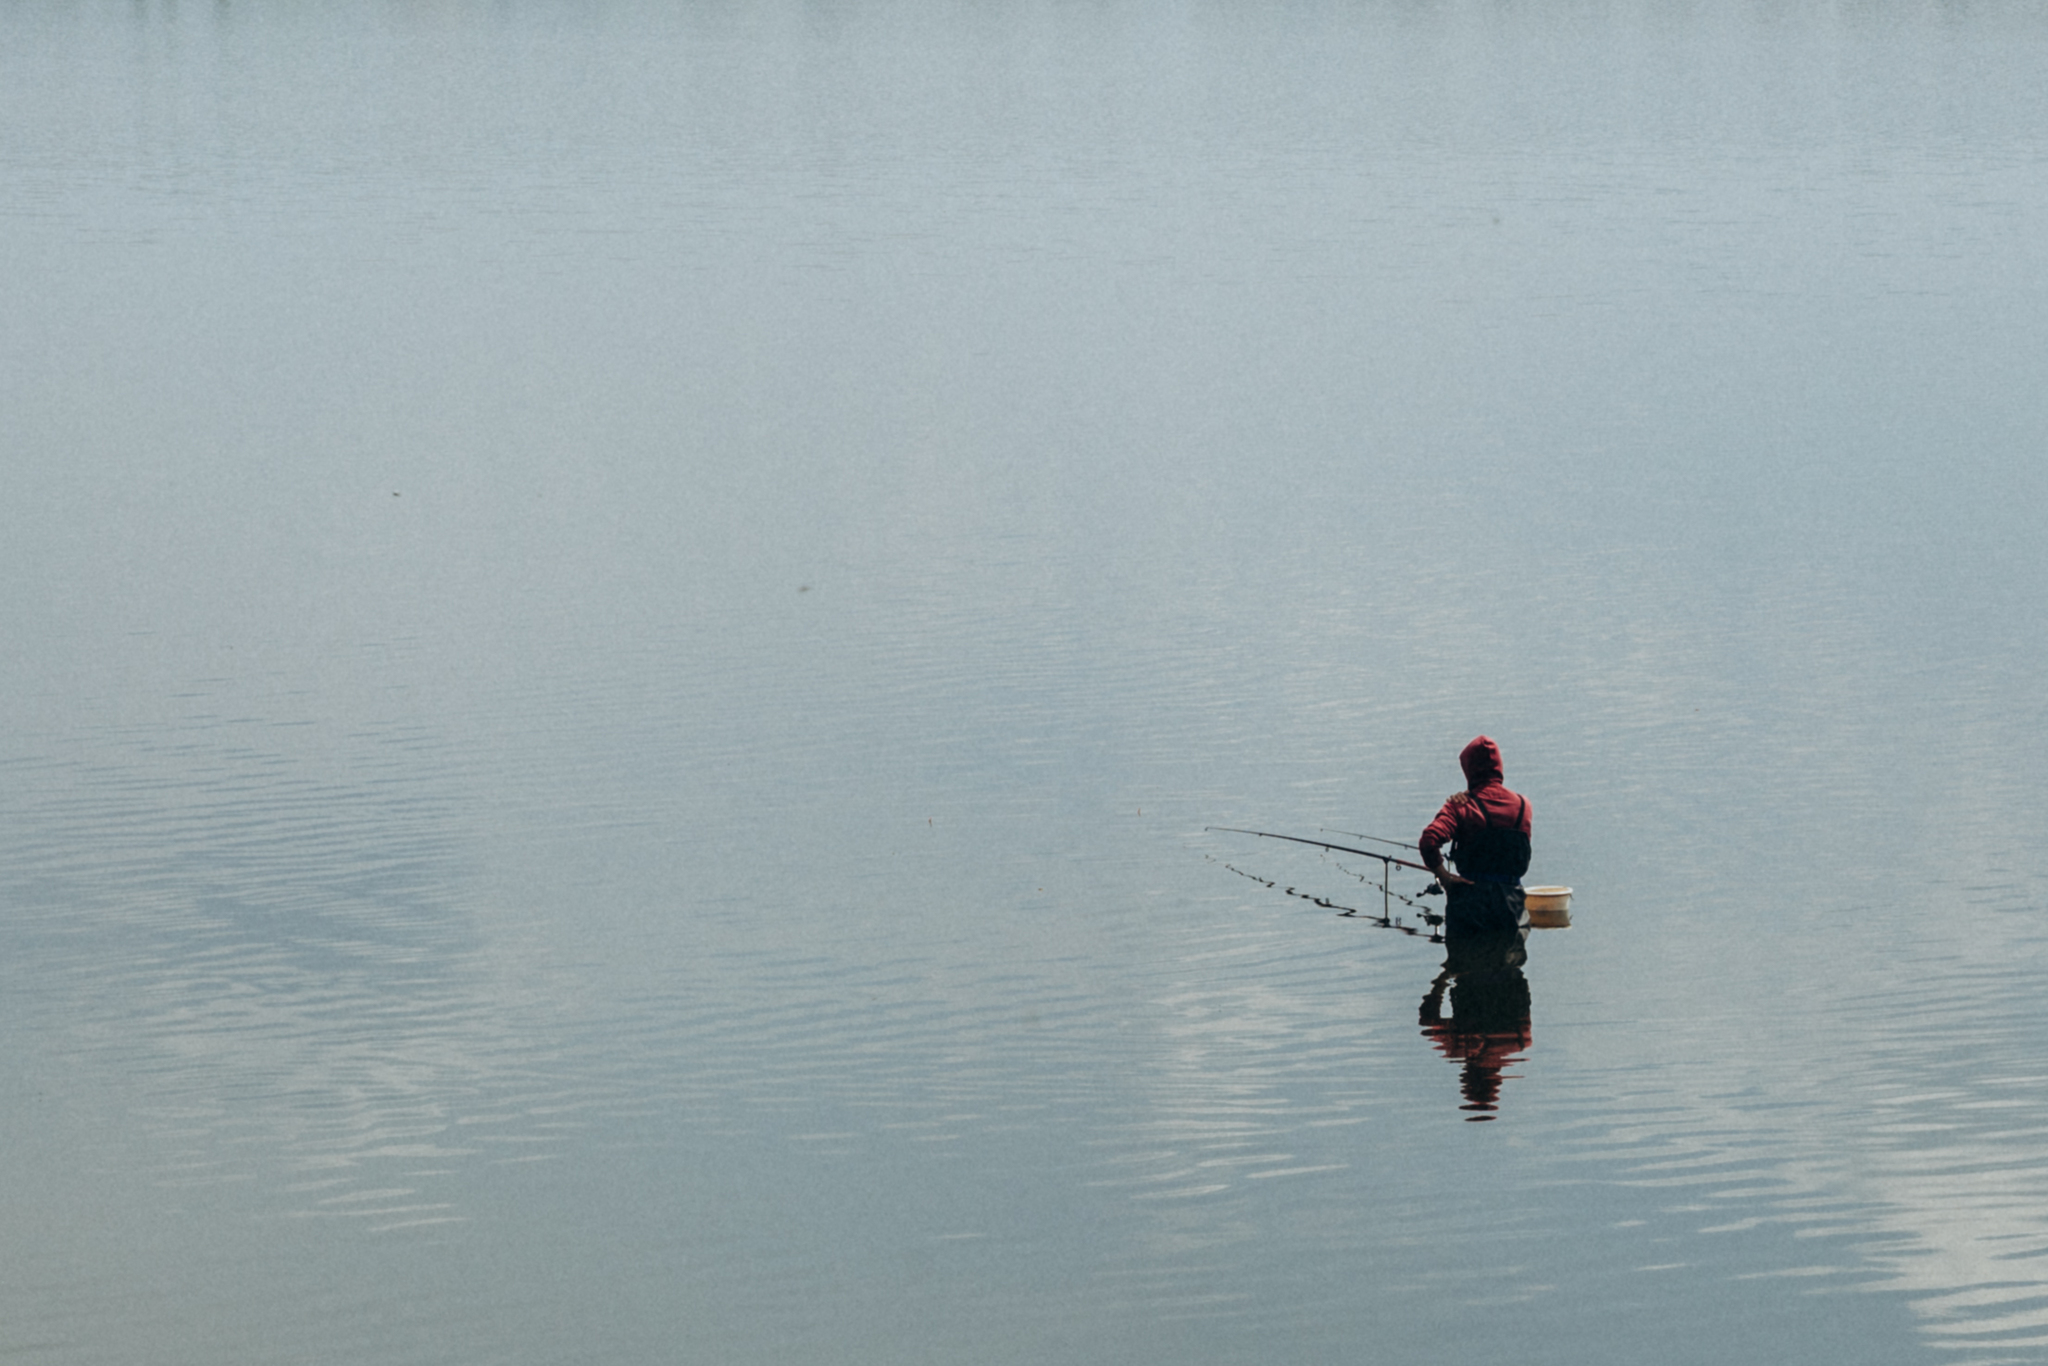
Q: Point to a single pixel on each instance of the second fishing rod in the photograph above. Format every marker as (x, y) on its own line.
(1388, 860)
(1325, 844)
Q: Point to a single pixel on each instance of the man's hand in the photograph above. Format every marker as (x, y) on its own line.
(1451, 879)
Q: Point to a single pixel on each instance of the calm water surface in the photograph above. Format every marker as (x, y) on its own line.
(624, 620)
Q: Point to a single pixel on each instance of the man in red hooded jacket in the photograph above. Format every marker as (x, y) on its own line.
(1487, 827)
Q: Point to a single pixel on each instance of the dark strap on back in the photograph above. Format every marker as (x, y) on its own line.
(1494, 853)
(1486, 817)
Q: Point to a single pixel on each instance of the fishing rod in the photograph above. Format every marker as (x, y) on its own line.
(1387, 860)
(1324, 844)
(1374, 838)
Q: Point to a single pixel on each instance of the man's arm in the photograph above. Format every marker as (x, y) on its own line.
(1434, 835)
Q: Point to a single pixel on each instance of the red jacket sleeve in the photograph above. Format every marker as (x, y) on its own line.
(1441, 831)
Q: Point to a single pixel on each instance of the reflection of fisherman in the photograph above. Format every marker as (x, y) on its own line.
(1488, 827)
(1489, 1021)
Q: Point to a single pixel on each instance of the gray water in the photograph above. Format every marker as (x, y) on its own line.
(623, 621)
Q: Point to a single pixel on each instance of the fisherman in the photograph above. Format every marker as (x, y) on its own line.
(1488, 830)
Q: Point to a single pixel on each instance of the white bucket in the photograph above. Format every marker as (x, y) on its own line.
(1550, 908)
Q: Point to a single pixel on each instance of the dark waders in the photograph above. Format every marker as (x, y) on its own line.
(1484, 909)
(1494, 857)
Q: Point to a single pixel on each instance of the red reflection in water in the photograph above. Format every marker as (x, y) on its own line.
(1488, 1027)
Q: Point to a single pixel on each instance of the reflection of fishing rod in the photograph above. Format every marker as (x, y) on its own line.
(1374, 838)
(1385, 921)
(1322, 844)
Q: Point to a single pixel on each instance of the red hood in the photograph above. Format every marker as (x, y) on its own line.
(1481, 762)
